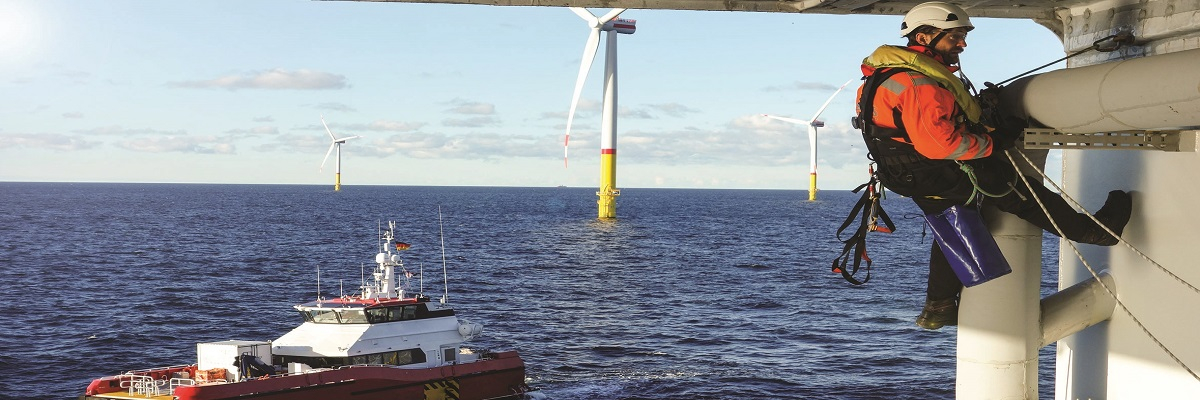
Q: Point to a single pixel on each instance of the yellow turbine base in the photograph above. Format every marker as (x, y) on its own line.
(337, 182)
(608, 186)
(812, 186)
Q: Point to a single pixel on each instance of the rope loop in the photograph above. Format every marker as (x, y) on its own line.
(977, 190)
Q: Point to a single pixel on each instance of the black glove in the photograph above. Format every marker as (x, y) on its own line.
(1006, 136)
(1005, 129)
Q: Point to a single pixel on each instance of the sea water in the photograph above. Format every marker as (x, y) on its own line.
(687, 294)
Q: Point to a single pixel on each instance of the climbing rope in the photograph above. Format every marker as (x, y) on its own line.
(977, 190)
(1091, 270)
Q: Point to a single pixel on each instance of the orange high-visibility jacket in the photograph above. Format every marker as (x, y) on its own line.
(933, 120)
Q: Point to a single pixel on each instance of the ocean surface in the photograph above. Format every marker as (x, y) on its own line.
(688, 294)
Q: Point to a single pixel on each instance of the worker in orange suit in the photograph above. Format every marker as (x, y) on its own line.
(923, 127)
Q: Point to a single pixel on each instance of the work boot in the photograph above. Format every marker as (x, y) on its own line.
(938, 313)
(1114, 215)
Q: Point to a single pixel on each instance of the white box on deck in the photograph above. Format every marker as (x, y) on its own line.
(223, 354)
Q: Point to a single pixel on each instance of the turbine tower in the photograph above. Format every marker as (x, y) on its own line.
(608, 128)
(812, 124)
(335, 143)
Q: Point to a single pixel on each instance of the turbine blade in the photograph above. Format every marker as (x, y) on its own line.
(611, 14)
(814, 118)
(589, 54)
(343, 140)
(786, 119)
(587, 16)
(331, 145)
(327, 128)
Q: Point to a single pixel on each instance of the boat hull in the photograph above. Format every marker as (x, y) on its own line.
(500, 376)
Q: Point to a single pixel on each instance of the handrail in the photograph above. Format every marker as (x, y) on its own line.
(143, 385)
(176, 382)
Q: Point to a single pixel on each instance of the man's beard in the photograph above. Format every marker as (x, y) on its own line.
(950, 58)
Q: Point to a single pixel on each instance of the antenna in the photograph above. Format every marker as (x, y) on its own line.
(318, 282)
(445, 276)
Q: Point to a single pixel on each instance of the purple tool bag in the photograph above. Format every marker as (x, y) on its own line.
(967, 244)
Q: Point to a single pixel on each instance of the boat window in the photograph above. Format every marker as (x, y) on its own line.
(306, 316)
(323, 316)
(396, 313)
(377, 315)
(353, 317)
(402, 357)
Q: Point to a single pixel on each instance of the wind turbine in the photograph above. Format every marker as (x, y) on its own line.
(608, 128)
(812, 124)
(335, 143)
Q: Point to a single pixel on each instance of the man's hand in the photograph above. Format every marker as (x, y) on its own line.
(1004, 128)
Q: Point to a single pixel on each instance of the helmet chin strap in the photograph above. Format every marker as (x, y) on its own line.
(932, 45)
(937, 38)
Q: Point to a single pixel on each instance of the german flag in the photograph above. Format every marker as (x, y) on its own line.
(402, 246)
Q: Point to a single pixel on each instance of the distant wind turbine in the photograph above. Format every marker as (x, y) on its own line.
(335, 143)
(812, 124)
(608, 128)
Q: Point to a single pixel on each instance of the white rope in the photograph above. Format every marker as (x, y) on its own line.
(1087, 265)
(1106, 229)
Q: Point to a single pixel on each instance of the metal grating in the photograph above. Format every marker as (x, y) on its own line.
(1138, 140)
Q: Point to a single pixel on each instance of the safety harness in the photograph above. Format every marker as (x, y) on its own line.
(854, 249)
(856, 246)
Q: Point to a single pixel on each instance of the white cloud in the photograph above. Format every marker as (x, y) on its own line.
(674, 109)
(396, 126)
(473, 122)
(258, 130)
(47, 141)
(472, 108)
(274, 79)
(802, 86)
(117, 130)
(335, 107)
(178, 144)
(376, 126)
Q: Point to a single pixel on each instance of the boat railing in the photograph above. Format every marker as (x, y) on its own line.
(142, 385)
(177, 382)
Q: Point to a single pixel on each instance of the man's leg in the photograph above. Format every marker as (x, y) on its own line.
(943, 286)
(941, 295)
(1075, 226)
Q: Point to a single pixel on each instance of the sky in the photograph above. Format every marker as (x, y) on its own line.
(231, 91)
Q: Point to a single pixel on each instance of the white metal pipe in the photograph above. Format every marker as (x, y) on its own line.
(998, 328)
(1149, 93)
(1076, 308)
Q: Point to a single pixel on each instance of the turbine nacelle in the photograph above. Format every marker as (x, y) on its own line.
(620, 25)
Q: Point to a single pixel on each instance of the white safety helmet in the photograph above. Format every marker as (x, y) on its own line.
(937, 14)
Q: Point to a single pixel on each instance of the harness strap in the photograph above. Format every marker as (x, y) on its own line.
(866, 107)
(855, 247)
